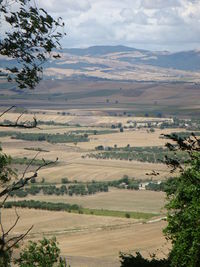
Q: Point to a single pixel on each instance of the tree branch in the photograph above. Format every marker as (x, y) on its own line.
(16, 124)
(17, 239)
(23, 181)
(6, 111)
(15, 223)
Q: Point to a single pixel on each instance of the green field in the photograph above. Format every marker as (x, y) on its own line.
(74, 208)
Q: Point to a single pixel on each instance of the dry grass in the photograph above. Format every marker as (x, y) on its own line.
(115, 199)
(107, 243)
(78, 119)
(134, 138)
(102, 170)
(50, 222)
(73, 166)
(90, 238)
(137, 97)
(120, 70)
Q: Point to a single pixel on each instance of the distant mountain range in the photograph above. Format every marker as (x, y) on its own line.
(186, 60)
(100, 50)
(122, 63)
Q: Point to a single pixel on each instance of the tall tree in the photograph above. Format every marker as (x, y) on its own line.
(183, 206)
(28, 35)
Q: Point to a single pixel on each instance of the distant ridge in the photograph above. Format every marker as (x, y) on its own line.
(121, 63)
(184, 60)
(100, 50)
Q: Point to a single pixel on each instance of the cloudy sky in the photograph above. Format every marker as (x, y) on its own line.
(172, 25)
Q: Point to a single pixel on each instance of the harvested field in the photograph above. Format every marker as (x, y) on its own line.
(91, 238)
(138, 98)
(50, 222)
(72, 165)
(133, 138)
(84, 120)
(102, 170)
(115, 199)
(106, 244)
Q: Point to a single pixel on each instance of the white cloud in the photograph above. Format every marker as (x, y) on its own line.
(131, 16)
(168, 18)
(65, 5)
(159, 4)
(149, 24)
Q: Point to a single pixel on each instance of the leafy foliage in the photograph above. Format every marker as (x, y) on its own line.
(128, 260)
(6, 172)
(184, 207)
(42, 205)
(43, 253)
(30, 35)
(144, 154)
(27, 161)
(183, 194)
(73, 189)
(51, 138)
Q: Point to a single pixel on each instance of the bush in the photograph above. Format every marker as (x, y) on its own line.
(43, 253)
(64, 181)
(128, 260)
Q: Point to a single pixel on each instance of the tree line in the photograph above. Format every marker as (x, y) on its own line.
(51, 138)
(75, 189)
(144, 154)
(43, 205)
(32, 204)
(27, 161)
(82, 189)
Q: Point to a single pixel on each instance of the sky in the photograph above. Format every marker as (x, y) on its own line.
(172, 25)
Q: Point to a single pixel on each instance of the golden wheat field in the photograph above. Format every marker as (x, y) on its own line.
(76, 118)
(115, 199)
(70, 156)
(89, 240)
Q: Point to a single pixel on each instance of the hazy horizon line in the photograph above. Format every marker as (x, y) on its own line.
(133, 47)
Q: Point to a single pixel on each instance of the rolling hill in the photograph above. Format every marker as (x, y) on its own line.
(125, 63)
(121, 63)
